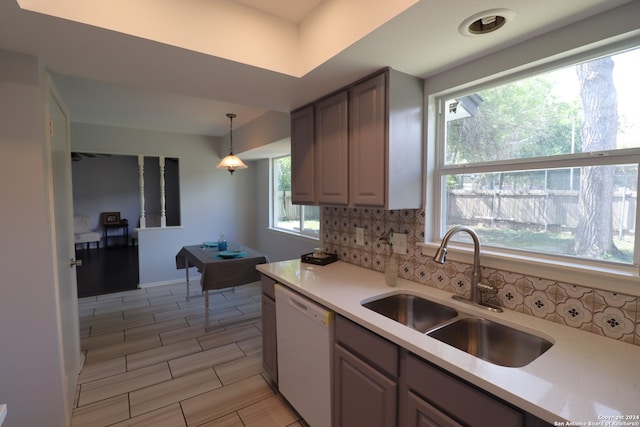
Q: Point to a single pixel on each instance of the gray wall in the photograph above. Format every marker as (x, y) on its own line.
(110, 183)
(278, 245)
(31, 366)
(212, 200)
(106, 184)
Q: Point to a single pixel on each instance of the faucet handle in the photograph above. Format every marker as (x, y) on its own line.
(486, 289)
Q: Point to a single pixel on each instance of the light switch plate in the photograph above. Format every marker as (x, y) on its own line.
(359, 236)
(399, 243)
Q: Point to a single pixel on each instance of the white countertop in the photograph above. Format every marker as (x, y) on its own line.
(583, 377)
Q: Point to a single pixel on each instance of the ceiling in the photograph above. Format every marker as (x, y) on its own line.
(180, 65)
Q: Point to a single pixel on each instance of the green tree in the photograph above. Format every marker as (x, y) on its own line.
(524, 119)
(517, 120)
(284, 182)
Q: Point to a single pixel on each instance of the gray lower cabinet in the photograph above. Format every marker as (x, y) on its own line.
(378, 384)
(269, 342)
(432, 397)
(365, 372)
(420, 413)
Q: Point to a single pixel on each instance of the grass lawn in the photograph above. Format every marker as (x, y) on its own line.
(546, 242)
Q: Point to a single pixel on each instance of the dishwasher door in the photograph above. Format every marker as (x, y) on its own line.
(305, 353)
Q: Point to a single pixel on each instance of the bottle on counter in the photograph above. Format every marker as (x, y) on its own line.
(391, 270)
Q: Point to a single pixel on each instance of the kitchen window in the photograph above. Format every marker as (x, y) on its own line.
(287, 217)
(547, 165)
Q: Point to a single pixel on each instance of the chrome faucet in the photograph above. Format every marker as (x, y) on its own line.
(477, 287)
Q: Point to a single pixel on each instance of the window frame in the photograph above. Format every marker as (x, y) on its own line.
(623, 278)
(272, 206)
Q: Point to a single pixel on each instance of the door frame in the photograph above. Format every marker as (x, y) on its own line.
(70, 356)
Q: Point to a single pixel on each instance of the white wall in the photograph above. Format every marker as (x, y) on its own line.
(30, 363)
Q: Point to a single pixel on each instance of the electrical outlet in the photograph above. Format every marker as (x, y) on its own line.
(399, 243)
(359, 236)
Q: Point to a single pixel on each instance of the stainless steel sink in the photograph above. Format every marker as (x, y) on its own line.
(413, 311)
(493, 342)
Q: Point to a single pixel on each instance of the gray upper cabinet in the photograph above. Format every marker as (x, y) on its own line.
(404, 152)
(368, 145)
(303, 157)
(332, 149)
(367, 142)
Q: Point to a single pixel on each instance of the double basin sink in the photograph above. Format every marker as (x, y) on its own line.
(482, 338)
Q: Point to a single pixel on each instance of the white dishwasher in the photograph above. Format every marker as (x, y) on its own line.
(305, 353)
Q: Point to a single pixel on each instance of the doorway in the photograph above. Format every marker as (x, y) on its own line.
(107, 270)
(106, 183)
(136, 187)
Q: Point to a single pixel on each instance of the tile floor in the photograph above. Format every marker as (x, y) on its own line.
(150, 362)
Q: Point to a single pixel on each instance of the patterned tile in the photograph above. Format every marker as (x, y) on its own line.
(510, 296)
(539, 304)
(573, 312)
(564, 303)
(615, 323)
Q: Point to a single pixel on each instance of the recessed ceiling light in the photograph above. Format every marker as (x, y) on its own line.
(485, 22)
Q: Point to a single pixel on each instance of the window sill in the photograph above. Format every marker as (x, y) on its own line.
(305, 237)
(619, 279)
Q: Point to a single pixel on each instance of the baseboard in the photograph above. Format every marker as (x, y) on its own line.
(194, 279)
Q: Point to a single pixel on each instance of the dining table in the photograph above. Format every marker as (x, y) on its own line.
(220, 269)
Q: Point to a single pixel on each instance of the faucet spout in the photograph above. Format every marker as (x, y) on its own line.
(476, 274)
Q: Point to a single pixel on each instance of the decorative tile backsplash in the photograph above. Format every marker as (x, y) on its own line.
(598, 311)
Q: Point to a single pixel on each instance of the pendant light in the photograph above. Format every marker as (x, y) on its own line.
(231, 162)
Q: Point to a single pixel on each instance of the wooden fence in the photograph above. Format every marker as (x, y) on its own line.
(554, 211)
(287, 210)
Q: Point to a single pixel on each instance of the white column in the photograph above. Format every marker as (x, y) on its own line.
(163, 208)
(143, 222)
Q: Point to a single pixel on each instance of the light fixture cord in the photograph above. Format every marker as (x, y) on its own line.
(231, 116)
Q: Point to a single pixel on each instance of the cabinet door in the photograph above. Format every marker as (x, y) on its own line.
(332, 149)
(421, 414)
(367, 142)
(362, 395)
(302, 157)
(269, 342)
(451, 396)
